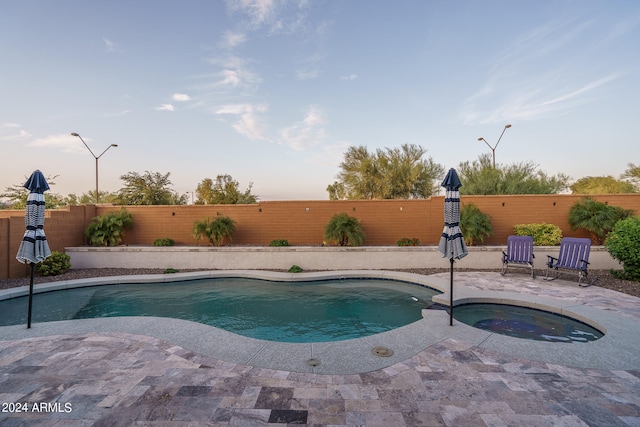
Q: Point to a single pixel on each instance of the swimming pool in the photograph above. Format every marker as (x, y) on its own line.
(315, 311)
(525, 322)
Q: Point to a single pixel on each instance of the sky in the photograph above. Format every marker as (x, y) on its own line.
(273, 92)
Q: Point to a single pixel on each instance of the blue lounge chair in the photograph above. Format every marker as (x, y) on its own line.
(519, 253)
(574, 256)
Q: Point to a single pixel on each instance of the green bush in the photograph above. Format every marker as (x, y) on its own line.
(596, 217)
(215, 231)
(170, 271)
(164, 242)
(108, 229)
(295, 269)
(623, 243)
(475, 224)
(279, 242)
(405, 241)
(55, 264)
(345, 230)
(543, 234)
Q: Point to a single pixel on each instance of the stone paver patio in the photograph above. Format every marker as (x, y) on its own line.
(123, 379)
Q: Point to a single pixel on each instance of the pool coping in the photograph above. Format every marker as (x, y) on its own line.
(618, 349)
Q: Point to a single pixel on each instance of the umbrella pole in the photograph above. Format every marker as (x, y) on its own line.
(30, 296)
(451, 294)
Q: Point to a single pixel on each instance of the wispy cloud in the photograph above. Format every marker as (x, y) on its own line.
(166, 107)
(248, 120)
(276, 16)
(232, 39)
(109, 46)
(540, 74)
(235, 73)
(12, 132)
(181, 97)
(307, 133)
(65, 142)
(350, 77)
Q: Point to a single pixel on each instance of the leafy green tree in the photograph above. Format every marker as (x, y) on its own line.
(601, 185)
(17, 195)
(392, 173)
(633, 174)
(596, 217)
(108, 229)
(623, 243)
(215, 231)
(151, 188)
(345, 230)
(474, 224)
(481, 178)
(225, 190)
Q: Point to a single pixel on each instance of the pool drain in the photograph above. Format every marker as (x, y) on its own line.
(382, 351)
(313, 362)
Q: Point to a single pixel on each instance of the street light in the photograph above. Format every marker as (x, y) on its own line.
(95, 157)
(493, 149)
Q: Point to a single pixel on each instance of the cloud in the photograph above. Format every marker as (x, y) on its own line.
(249, 122)
(109, 46)
(350, 77)
(276, 16)
(180, 97)
(66, 142)
(307, 133)
(235, 73)
(166, 107)
(232, 39)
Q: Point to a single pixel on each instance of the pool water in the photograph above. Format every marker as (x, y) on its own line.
(317, 311)
(524, 322)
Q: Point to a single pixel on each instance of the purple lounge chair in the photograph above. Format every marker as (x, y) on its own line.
(519, 253)
(573, 256)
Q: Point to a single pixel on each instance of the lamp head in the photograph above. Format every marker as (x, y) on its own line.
(507, 126)
(114, 145)
(481, 139)
(74, 134)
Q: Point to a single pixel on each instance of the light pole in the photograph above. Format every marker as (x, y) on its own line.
(493, 149)
(95, 157)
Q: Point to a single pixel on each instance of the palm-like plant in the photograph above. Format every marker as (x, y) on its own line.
(345, 230)
(596, 217)
(474, 224)
(215, 231)
(108, 229)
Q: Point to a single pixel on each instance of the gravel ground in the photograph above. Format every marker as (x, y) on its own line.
(602, 278)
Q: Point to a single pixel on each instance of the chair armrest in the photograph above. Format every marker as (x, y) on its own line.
(550, 260)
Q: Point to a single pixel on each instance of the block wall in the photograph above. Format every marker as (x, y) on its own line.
(300, 222)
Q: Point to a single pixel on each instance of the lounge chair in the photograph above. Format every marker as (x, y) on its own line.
(573, 256)
(519, 253)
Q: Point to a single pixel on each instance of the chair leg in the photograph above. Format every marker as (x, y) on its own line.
(504, 268)
(533, 272)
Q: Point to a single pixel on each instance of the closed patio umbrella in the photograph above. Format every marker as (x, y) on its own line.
(452, 242)
(34, 247)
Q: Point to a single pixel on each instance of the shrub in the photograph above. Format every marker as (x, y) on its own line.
(295, 269)
(475, 224)
(405, 241)
(108, 229)
(163, 242)
(215, 231)
(543, 234)
(55, 264)
(596, 217)
(170, 271)
(623, 243)
(345, 230)
(279, 242)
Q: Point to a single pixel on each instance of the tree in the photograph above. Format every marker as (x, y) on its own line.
(633, 174)
(18, 194)
(225, 190)
(392, 173)
(345, 230)
(596, 217)
(148, 189)
(214, 231)
(474, 224)
(601, 185)
(481, 178)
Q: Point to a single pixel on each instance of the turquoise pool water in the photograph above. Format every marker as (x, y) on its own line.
(328, 310)
(523, 322)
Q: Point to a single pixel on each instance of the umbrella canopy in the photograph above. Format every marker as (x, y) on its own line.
(34, 247)
(452, 242)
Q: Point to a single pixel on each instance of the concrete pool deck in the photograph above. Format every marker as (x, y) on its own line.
(438, 374)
